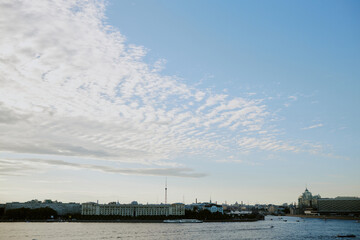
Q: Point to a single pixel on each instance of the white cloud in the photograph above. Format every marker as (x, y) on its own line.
(313, 126)
(238, 161)
(213, 100)
(266, 144)
(25, 166)
(70, 85)
(294, 98)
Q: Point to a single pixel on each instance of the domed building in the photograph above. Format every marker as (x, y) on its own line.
(307, 203)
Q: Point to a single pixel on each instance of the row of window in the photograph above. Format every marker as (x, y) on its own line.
(129, 210)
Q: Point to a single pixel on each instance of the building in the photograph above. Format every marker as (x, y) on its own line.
(277, 210)
(339, 205)
(59, 207)
(212, 207)
(307, 203)
(239, 213)
(134, 209)
(272, 209)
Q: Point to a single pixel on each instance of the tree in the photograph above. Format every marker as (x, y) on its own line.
(30, 214)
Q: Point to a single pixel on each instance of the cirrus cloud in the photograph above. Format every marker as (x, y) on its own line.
(71, 85)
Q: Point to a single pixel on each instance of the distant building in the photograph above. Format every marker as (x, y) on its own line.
(226, 207)
(133, 209)
(59, 207)
(239, 213)
(292, 210)
(276, 210)
(212, 207)
(307, 203)
(339, 205)
(272, 209)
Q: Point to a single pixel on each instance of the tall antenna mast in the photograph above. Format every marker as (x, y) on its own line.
(166, 190)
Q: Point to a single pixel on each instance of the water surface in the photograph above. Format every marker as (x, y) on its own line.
(291, 229)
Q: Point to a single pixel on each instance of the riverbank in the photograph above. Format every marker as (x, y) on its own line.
(325, 217)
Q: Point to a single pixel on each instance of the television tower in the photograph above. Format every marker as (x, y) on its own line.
(166, 190)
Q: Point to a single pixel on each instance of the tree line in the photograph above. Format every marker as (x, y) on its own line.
(30, 214)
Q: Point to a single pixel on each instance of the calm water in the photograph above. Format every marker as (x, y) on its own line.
(305, 229)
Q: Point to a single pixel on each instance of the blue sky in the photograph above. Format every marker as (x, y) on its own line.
(234, 100)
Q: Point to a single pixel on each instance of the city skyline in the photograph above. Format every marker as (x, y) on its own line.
(235, 101)
(195, 201)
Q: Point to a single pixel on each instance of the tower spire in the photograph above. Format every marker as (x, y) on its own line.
(166, 190)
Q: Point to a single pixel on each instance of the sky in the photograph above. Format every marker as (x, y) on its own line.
(228, 100)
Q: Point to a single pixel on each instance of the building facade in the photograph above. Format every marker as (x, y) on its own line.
(59, 207)
(339, 205)
(307, 203)
(134, 209)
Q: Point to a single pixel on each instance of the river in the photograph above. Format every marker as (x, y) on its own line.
(294, 228)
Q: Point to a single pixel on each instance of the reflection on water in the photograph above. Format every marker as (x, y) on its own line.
(293, 228)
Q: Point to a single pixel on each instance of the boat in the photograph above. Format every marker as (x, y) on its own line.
(285, 220)
(182, 221)
(346, 236)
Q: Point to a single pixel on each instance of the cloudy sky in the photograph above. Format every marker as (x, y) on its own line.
(230, 100)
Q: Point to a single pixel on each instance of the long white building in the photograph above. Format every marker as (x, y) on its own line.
(133, 209)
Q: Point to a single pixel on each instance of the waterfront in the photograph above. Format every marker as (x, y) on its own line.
(306, 228)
